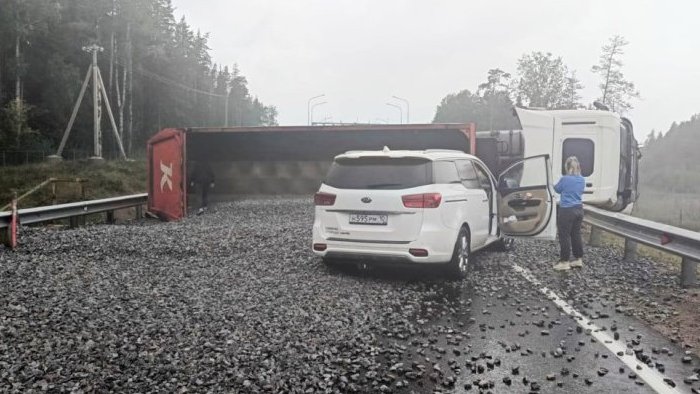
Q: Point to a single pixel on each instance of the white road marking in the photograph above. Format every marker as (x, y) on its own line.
(650, 376)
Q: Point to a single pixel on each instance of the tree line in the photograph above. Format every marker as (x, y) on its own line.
(669, 176)
(541, 80)
(669, 160)
(157, 70)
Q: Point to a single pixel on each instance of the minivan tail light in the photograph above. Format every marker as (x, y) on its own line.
(425, 200)
(418, 252)
(325, 199)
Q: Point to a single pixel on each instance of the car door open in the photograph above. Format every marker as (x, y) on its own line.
(525, 199)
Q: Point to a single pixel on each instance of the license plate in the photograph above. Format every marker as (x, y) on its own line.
(377, 220)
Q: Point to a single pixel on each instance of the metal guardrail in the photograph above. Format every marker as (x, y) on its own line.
(73, 210)
(670, 239)
(53, 182)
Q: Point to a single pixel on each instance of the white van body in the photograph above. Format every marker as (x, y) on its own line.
(432, 206)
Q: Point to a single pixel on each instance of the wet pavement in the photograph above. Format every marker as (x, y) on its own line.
(233, 300)
(495, 332)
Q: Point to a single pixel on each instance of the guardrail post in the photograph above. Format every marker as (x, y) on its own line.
(110, 217)
(5, 237)
(8, 236)
(15, 224)
(689, 272)
(139, 211)
(630, 249)
(596, 238)
(54, 197)
(73, 222)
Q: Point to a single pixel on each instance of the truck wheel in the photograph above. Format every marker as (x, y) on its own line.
(458, 268)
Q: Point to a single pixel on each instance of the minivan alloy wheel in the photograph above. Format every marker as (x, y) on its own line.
(463, 253)
(459, 265)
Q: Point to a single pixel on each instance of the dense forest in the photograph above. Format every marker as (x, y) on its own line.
(670, 161)
(157, 71)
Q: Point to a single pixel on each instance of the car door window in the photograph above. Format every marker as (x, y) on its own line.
(445, 172)
(484, 179)
(467, 174)
(525, 198)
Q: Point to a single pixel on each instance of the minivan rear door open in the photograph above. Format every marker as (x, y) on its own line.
(525, 199)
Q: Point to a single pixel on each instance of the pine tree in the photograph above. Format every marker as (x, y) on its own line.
(616, 92)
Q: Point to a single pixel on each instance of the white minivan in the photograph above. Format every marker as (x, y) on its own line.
(427, 207)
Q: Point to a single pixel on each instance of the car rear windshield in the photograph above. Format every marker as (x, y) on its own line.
(379, 173)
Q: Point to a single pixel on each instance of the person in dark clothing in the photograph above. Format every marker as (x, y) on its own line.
(570, 215)
(204, 177)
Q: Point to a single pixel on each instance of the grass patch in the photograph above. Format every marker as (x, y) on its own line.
(108, 179)
(675, 209)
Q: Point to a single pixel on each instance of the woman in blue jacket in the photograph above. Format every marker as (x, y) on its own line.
(570, 215)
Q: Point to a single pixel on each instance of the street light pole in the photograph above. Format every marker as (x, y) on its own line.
(311, 119)
(308, 107)
(400, 111)
(408, 108)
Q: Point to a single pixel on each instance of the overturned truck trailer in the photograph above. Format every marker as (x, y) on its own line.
(294, 160)
(274, 160)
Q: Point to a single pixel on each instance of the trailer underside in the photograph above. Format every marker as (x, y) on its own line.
(294, 160)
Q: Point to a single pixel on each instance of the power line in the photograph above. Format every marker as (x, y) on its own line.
(150, 74)
(155, 76)
(167, 81)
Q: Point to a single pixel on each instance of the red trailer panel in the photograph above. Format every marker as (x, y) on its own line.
(275, 160)
(167, 176)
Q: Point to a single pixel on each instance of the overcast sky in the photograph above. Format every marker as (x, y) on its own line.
(361, 52)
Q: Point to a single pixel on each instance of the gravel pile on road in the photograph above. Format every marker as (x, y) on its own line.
(231, 300)
(234, 301)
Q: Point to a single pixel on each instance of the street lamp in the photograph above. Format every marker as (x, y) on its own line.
(311, 119)
(308, 107)
(400, 111)
(408, 108)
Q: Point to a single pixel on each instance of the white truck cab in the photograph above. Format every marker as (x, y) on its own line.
(603, 142)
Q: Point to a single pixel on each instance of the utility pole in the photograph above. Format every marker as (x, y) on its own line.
(96, 103)
(18, 81)
(99, 93)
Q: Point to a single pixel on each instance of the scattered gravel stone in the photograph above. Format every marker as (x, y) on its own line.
(234, 301)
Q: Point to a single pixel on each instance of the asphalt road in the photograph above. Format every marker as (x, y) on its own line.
(233, 300)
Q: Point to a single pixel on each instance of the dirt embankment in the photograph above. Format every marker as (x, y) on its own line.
(108, 179)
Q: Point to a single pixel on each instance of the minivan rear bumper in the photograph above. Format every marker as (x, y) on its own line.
(439, 249)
